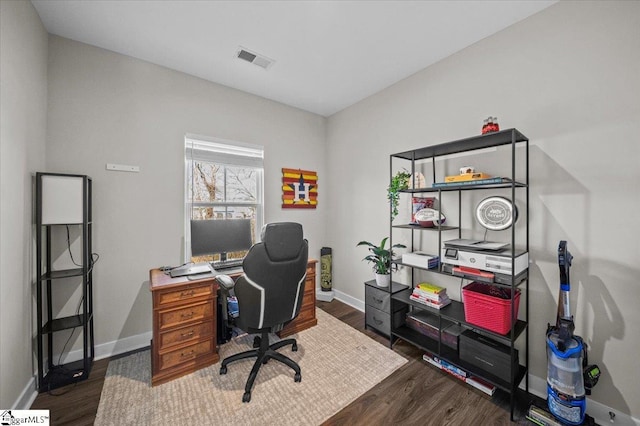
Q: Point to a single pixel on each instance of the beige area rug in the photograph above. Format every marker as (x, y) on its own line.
(338, 364)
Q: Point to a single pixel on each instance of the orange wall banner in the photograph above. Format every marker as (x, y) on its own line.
(299, 189)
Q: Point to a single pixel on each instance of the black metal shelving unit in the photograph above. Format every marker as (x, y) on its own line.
(425, 158)
(68, 196)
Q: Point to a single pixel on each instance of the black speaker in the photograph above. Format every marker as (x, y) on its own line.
(223, 331)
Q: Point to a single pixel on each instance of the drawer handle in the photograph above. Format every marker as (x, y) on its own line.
(375, 299)
(187, 335)
(187, 316)
(187, 293)
(189, 354)
(377, 321)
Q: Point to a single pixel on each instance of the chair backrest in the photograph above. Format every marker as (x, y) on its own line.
(270, 290)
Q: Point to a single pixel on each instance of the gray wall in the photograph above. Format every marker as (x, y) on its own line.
(568, 79)
(109, 108)
(23, 107)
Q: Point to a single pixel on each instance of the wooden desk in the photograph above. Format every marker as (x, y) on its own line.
(185, 317)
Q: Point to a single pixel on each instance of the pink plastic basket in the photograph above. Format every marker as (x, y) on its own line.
(487, 309)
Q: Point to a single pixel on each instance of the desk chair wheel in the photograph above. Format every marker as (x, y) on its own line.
(256, 341)
(294, 347)
(223, 370)
(297, 377)
(246, 397)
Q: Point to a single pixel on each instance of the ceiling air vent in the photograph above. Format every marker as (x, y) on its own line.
(254, 58)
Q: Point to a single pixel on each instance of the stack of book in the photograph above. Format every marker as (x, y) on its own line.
(446, 366)
(481, 384)
(431, 295)
(481, 181)
(464, 177)
(459, 373)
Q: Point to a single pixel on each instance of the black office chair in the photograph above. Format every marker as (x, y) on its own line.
(269, 294)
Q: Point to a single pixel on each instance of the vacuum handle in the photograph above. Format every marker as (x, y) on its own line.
(564, 262)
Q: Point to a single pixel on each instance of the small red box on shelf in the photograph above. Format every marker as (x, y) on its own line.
(489, 306)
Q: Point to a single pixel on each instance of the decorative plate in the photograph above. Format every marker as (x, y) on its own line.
(496, 213)
(428, 218)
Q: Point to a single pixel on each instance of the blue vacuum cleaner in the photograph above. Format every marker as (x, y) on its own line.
(569, 377)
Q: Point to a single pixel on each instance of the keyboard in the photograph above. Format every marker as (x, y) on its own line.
(227, 264)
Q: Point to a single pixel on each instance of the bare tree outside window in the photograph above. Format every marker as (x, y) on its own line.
(223, 192)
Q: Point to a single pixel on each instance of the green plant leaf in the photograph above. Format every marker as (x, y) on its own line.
(398, 182)
(380, 257)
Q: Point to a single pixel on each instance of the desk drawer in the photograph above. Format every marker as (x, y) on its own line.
(193, 332)
(379, 299)
(188, 354)
(196, 291)
(176, 317)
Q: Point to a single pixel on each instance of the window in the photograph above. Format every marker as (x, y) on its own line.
(223, 181)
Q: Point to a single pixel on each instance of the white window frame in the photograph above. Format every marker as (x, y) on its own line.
(230, 153)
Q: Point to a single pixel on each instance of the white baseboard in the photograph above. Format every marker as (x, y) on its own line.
(121, 346)
(104, 350)
(27, 396)
(109, 349)
(349, 300)
(600, 413)
(325, 296)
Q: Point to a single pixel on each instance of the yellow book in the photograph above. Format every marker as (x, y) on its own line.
(430, 288)
(466, 176)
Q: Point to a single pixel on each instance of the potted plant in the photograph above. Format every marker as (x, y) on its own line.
(398, 182)
(381, 259)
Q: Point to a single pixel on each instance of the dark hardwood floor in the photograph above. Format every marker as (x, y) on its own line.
(416, 394)
(420, 394)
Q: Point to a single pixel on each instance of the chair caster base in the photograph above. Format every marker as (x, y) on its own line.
(223, 370)
(297, 377)
(294, 347)
(246, 397)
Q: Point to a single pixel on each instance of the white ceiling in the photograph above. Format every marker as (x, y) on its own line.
(328, 54)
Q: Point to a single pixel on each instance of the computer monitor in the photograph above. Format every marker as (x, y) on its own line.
(221, 236)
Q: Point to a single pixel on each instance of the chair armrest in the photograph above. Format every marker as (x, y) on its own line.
(229, 301)
(226, 282)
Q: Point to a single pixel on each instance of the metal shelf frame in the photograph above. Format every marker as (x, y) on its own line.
(51, 376)
(510, 138)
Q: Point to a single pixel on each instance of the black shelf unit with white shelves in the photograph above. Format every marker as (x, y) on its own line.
(63, 208)
(510, 148)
